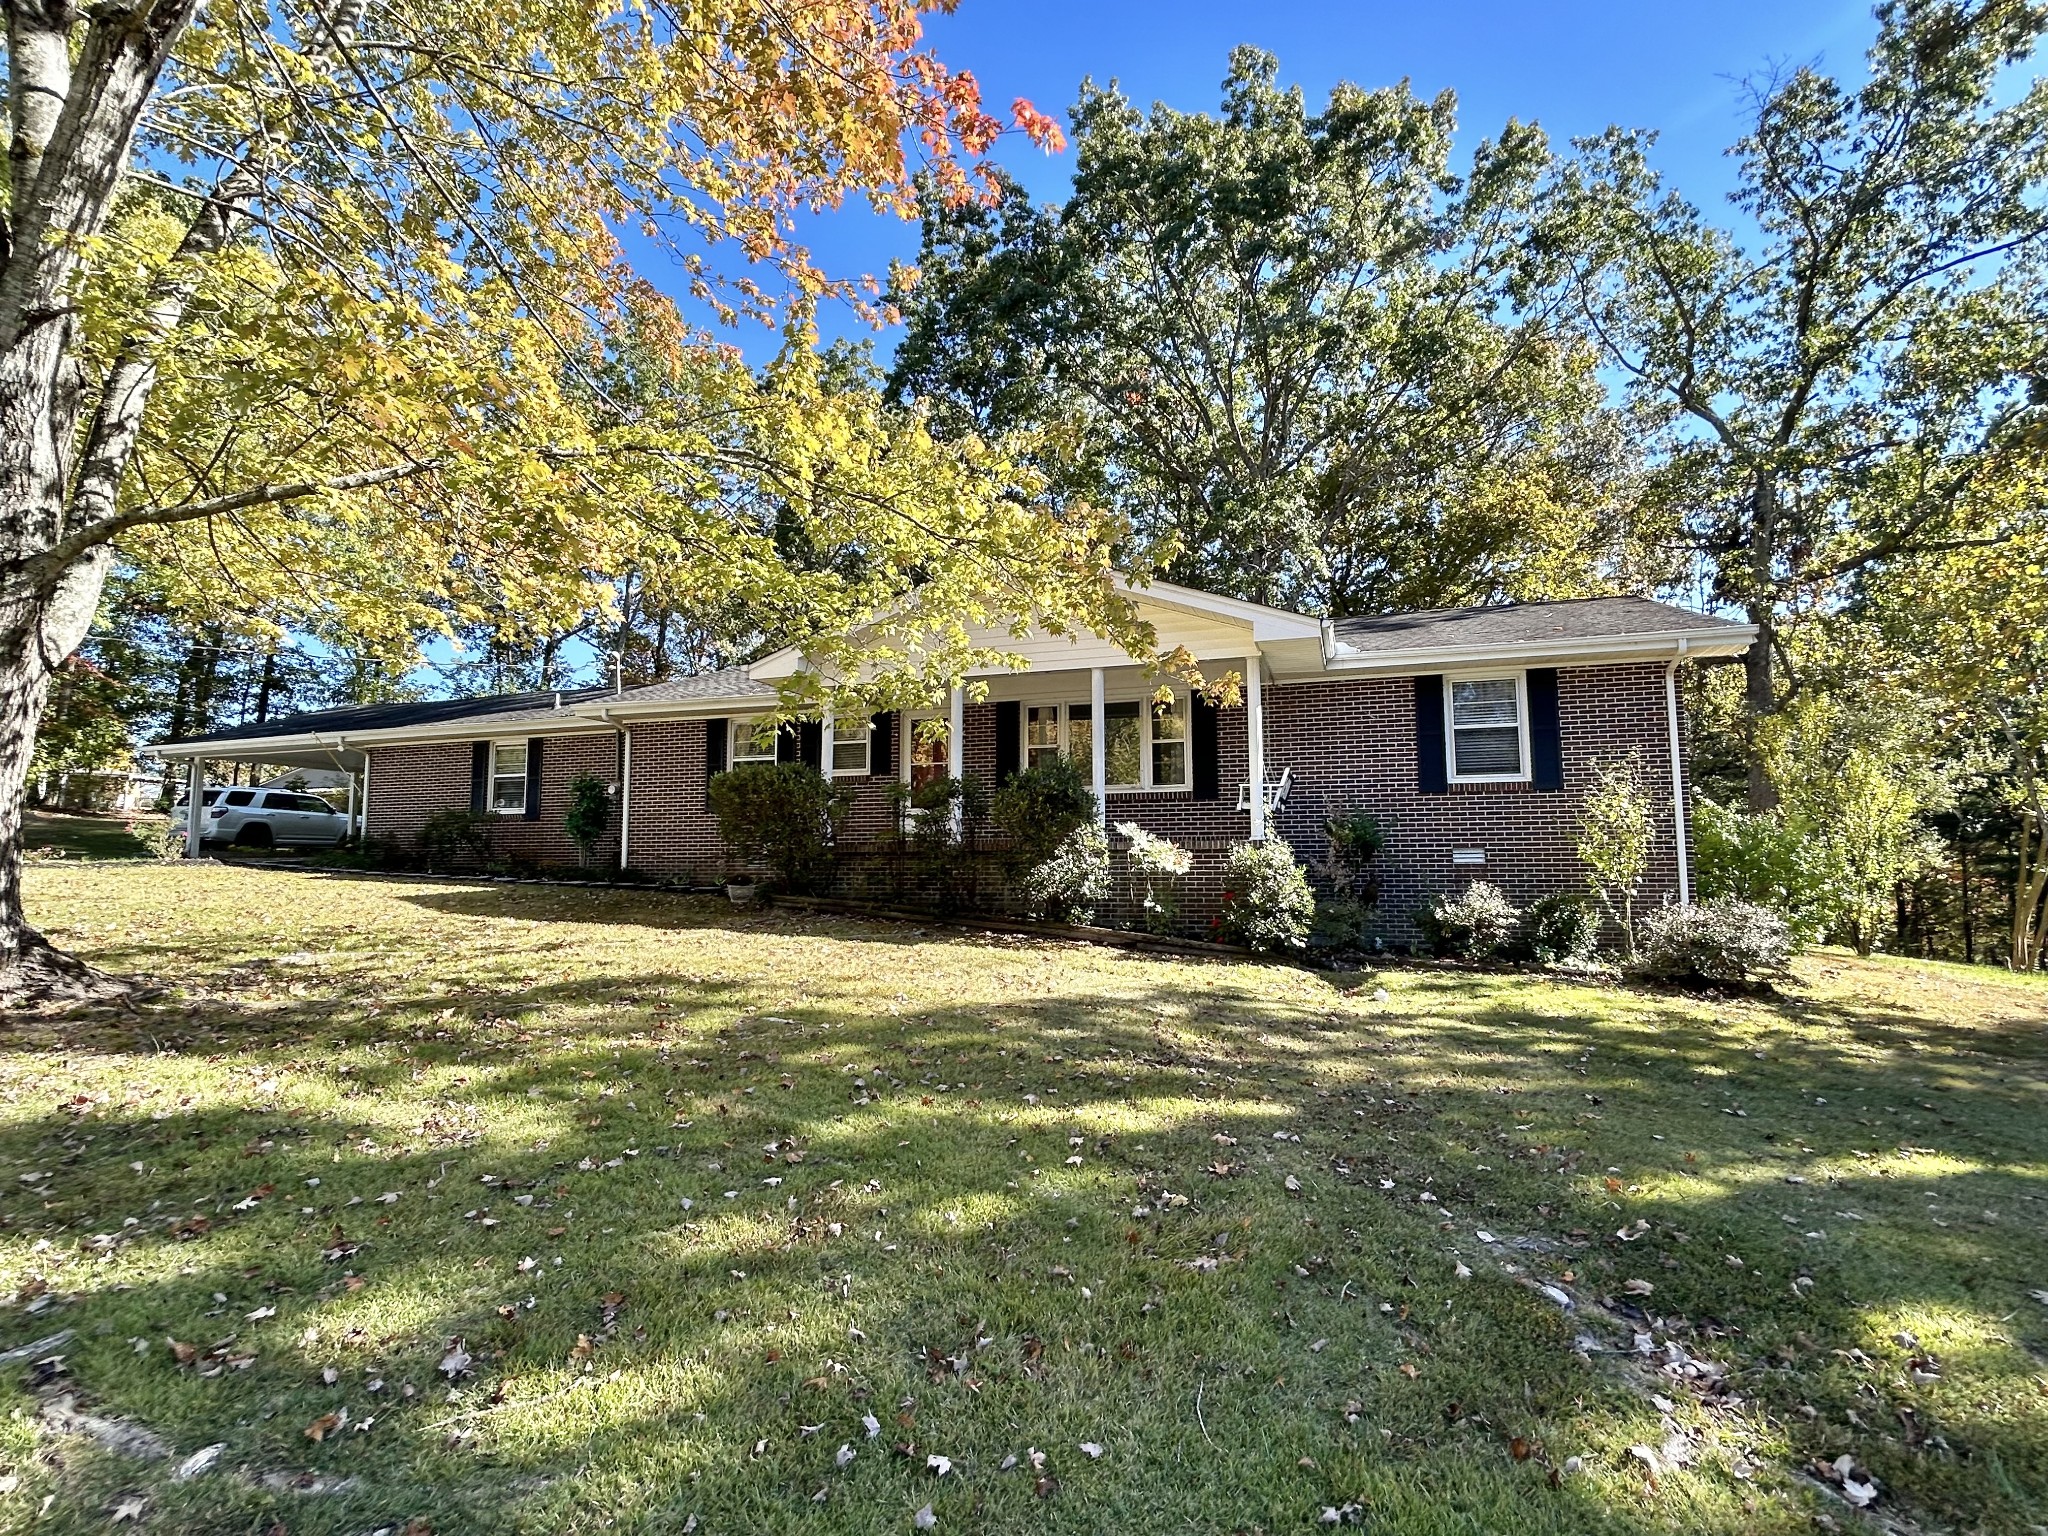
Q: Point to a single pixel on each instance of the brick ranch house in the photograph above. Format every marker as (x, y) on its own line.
(1472, 735)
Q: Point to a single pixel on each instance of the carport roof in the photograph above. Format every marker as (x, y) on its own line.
(371, 719)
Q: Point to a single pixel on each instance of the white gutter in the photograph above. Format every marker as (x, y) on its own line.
(1677, 776)
(1723, 640)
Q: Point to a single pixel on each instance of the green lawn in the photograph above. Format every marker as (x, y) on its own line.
(603, 1210)
(56, 834)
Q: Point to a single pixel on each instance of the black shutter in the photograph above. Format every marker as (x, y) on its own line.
(1546, 732)
(810, 743)
(480, 777)
(715, 733)
(1208, 772)
(1432, 773)
(533, 744)
(881, 739)
(787, 748)
(619, 760)
(1009, 739)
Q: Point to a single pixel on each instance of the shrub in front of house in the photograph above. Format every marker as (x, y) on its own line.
(1038, 808)
(590, 813)
(1157, 865)
(1476, 924)
(1267, 903)
(785, 816)
(1562, 929)
(452, 834)
(1725, 939)
(1065, 886)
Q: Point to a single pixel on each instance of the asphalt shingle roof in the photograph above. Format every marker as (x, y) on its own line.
(1510, 624)
(497, 708)
(730, 682)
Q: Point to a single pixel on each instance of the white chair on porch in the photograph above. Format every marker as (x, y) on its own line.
(1276, 791)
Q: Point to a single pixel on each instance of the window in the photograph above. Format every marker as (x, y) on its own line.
(1144, 745)
(753, 741)
(1486, 720)
(850, 747)
(279, 800)
(924, 750)
(1122, 753)
(1170, 744)
(1041, 734)
(241, 797)
(508, 777)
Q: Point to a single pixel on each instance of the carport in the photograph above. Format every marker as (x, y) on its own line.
(294, 751)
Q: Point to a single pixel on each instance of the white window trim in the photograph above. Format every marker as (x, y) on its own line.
(737, 730)
(865, 736)
(491, 790)
(1144, 786)
(912, 719)
(1490, 675)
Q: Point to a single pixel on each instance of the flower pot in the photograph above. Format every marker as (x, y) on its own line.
(740, 892)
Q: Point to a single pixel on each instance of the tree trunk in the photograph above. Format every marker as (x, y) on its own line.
(2030, 895)
(1759, 703)
(38, 629)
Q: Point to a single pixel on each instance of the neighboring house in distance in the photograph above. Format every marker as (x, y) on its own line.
(1472, 734)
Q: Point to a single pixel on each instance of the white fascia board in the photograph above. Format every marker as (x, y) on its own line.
(610, 710)
(1722, 640)
(568, 723)
(1266, 623)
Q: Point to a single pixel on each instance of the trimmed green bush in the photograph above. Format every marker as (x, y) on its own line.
(1065, 886)
(1037, 809)
(1563, 929)
(448, 835)
(1473, 925)
(1725, 939)
(1267, 903)
(783, 815)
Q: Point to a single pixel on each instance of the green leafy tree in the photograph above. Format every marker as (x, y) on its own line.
(1616, 834)
(1851, 372)
(325, 296)
(1292, 348)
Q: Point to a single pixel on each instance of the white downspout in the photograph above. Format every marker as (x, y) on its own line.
(1677, 776)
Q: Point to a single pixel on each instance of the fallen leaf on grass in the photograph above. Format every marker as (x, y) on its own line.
(924, 1519)
(326, 1424)
(129, 1507)
(1637, 1287)
(1091, 1450)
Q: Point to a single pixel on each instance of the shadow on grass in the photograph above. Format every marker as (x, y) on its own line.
(934, 1262)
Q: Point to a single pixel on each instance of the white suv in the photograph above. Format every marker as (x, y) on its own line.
(271, 818)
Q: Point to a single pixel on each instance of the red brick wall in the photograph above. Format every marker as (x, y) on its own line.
(1350, 742)
(410, 783)
(674, 834)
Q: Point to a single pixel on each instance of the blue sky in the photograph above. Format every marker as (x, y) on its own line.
(1573, 66)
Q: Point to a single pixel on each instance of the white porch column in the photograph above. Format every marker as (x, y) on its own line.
(1098, 748)
(349, 821)
(956, 747)
(825, 750)
(195, 793)
(1255, 742)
